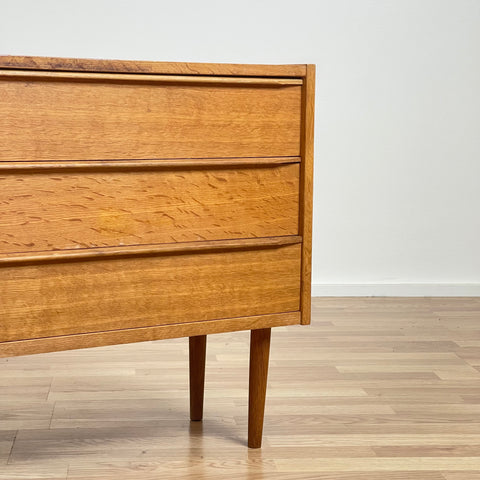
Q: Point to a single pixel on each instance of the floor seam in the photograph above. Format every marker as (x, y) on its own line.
(11, 449)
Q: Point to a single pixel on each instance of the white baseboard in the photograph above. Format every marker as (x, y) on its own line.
(396, 290)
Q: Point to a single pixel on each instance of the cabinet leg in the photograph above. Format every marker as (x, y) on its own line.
(259, 353)
(197, 350)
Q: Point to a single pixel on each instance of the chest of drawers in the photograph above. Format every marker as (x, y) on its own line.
(144, 200)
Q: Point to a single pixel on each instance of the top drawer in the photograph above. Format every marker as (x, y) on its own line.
(81, 116)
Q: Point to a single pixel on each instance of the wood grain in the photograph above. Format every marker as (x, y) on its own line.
(45, 211)
(93, 296)
(168, 68)
(306, 189)
(71, 120)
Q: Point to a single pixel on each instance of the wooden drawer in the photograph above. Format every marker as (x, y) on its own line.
(81, 116)
(65, 210)
(89, 296)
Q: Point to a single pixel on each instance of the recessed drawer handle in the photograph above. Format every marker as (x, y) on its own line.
(154, 163)
(125, 77)
(147, 250)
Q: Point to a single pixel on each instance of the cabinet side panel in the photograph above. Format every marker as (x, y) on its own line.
(306, 190)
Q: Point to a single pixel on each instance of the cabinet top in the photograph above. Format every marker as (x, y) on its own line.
(164, 68)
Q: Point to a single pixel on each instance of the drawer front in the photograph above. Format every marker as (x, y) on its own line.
(78, 297)
(54, 211)
(68, 119)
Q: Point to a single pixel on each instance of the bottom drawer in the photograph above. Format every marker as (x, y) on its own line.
(54, 299)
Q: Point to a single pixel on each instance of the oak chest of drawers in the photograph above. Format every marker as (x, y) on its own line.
(143, 200)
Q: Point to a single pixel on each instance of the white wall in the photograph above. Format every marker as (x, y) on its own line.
(398, 114)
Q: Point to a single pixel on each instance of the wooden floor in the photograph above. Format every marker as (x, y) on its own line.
(374, 389)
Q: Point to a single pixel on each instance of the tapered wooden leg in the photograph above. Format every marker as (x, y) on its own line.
(259, 353)
(197, 351)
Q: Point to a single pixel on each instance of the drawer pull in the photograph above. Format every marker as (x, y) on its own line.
(147, 250)
(153, 163)
(126, 77)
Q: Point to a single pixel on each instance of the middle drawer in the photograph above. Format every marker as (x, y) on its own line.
(46, 210)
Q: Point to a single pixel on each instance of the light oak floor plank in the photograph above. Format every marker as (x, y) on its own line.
(375, 388)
